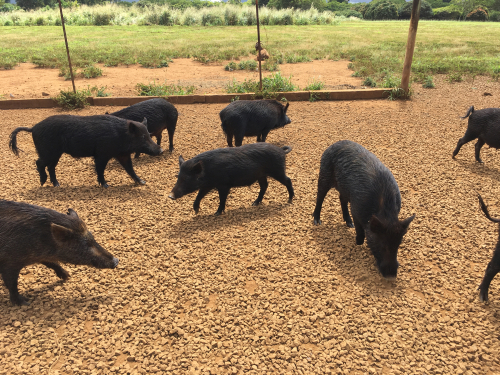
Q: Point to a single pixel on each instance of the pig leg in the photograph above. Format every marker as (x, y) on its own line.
(199, 197)
(238, 140)
(10, 277)
(323, 189)
(223, 193)
(479, 144)
(263, 187)
(345, 211)
(491, 271)
(264, 135)
(40, 166)
(468, 136)
(360, 233)
(60, 272)
(137, 154)
(229, 138)
(259, 138)
(52, 172)
(285, 180)
(170, 139)
(126, 163)
(100, 166)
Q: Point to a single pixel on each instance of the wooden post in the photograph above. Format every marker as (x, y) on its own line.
(410, 45)
(258, 44)
(67, 48)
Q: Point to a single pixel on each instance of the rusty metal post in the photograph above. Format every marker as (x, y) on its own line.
(67, 48)
(258, 41)
(410, 45)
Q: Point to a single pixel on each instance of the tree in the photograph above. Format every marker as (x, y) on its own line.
(466, 6)
(34, 4)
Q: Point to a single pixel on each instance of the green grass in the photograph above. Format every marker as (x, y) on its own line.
(154, 89)
(376, 48)
(270, 86)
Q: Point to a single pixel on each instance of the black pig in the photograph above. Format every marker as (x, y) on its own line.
(102, 137)
(225, 168)
(160, 114)
(494, 265)
(483, 125)
(31, 234)
(246, 118)
(366, 183)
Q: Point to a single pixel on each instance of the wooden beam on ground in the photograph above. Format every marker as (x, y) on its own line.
(410, 45)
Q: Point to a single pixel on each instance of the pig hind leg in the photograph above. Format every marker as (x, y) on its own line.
(468, 136)
(491, 270)
(52, 172)
(40, 166)
(223, 193)
(60, 272)
(360, 233)
(324, 187)
(10, 278)
(345, 211)
(480, 143)
(100, 166)
(285, 180)
(229, 137)
(263, 187)
(126, 163)
(170, 139)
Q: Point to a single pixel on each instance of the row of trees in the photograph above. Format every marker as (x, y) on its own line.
(375, 10)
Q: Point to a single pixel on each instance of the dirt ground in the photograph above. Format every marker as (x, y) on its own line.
(261, 289)
(27, 81)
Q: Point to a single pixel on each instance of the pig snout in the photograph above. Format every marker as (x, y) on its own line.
(288, 121)
(115, 262)
(389, 269)
(172, 195)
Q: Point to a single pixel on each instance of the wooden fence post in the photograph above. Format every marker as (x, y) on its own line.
(410, 45)
(67, 48)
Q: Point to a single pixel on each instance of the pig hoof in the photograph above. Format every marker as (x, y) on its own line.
(350, 225)
(256, 203)
(290, 201)
(20, 301)
(56, 184)
(63, 275)
(171, 149)
(218, 213)
(317, 222)
(196, 209)
(105, 185)
(141, 182)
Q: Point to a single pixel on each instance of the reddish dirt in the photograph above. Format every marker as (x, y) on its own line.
(27, 81)
(261, 290)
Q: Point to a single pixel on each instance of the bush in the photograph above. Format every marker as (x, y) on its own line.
(6, 7)
(446, 13)
(349, 13)
(494, 16)
(102, 19)
(428, 83)
(71, 100)
(425, 11)
(369, 82)
(478, 14)
(165, 19)
(91, 71)
(383, 10)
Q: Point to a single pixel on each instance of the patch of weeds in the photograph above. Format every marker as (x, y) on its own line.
(496, 74)
(235, 99)
(91, 71)
(231, 66)
(271, 65)
(202, 59)
(99, 92)
(64, 72)
(455, 77)
(428, 83)
(352, 58)
(369, 82)
(390, 81)
(270, 86)
(8, 64)
(247, 65)
(399, 93)
(313, 97)
(72, 100)
(356, 74)
(154, 89)
(152, 59)
(293, 59)
(350, 66)
(315, 85)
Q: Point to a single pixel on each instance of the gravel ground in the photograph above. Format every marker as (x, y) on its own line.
(260, 289)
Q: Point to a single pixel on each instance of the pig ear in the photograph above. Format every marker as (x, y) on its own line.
(181, 160)
(132, 127)
(286, 107)
(376, 225)
(406, 222)
(60, 233)
(197, 168)
(145, 122)
(72, 212)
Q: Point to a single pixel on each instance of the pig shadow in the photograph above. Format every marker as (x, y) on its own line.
(82, 193)
(60, 301)
(234, 217)
(483, 170)
(354, 263)
(144, 159)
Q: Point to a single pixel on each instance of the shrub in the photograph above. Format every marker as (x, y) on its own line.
(230, 17)
(425, 10)
(446, 13)
(428, 83)
(72, 100)
(165, 19)
(383, 10)
(315, 85)
(455, 77)
(494, 16)
(154, 89)
(369, 82)
(478, 14)
(91, 71)
(102, 19)
(6, 7)
(349, 13)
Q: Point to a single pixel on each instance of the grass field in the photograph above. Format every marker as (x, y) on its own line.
(375, 48)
